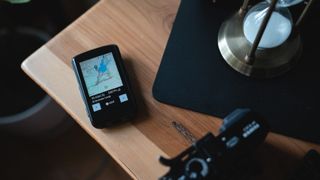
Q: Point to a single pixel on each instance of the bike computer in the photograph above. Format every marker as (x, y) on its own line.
(104, 86)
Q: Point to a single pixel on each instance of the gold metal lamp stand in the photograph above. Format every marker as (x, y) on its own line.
(247, 58)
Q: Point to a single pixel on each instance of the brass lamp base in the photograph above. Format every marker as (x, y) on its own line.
(268, 63)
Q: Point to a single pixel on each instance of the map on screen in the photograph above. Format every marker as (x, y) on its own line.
(100, 74)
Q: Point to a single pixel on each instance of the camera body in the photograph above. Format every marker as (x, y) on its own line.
(226, 156)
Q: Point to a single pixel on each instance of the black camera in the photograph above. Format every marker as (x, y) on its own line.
(227, 156)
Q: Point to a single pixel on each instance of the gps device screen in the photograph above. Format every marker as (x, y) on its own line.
(101, 74)
(104, 86)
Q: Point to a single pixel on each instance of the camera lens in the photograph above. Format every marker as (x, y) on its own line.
(196, 168)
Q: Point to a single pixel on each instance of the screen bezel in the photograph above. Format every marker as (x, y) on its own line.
(116, 112)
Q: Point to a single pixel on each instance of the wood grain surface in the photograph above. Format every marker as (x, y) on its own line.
(141, 29)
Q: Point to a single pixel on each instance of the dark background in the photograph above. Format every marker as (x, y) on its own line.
(23, 29)
(71, 154)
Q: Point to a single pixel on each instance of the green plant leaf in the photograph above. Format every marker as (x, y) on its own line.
(17, 1)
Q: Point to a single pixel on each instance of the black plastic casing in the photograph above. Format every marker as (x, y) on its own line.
(116, 113)
(227, 156)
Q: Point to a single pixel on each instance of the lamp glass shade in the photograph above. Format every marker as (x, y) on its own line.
(278, 29)
(287, 3)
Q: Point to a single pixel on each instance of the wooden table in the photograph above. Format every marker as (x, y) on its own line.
(141, 29)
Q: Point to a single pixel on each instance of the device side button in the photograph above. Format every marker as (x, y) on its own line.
(83, 99)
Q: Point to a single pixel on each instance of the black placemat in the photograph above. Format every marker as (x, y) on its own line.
(193, 74)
